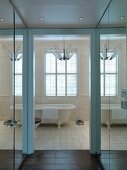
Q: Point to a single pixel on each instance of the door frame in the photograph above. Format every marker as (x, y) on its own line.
(99, 32)
(94, 85)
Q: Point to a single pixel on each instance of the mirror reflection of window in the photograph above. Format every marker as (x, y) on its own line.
(109, 74)
(18, 77)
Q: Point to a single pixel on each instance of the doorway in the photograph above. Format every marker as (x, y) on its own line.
(62, 91)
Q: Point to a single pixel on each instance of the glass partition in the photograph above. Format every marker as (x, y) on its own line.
(18, 90)
(6, 87)
(11, 51)
(113, 85)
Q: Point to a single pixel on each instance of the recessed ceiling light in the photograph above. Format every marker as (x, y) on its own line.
(41, 18)
(2, 19)
(122, 17)
(81, 18)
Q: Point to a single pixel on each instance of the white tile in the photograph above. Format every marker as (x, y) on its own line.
(68, 137)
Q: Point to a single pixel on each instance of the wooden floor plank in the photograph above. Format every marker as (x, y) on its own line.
(61, 160)
(64, 160)
(114, 160)
(7, 159)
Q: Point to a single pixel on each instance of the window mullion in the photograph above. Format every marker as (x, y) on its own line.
(117, 74)
(66, 78)
(56, 75)
(18, 74)
(104, 77)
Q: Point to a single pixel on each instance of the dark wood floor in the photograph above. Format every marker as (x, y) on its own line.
(64, 160)
(61, 160)
(114, 160)
(7, 161)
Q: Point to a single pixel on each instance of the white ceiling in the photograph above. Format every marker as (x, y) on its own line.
(6, 12)
(62, 13)
(112, 17)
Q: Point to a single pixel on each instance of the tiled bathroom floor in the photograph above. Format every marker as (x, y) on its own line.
(69, 137)
(114, 138)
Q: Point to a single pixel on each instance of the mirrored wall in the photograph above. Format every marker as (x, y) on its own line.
(11, 57)
(113, 84)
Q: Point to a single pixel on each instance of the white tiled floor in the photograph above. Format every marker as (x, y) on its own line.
(69, 137)
(6, 137)
(114, 138)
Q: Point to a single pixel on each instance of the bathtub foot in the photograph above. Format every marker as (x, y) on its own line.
(59, 124)
(108, 125)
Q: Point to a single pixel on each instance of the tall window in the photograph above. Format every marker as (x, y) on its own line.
(61, 76)
(18, 77)
(109, 73)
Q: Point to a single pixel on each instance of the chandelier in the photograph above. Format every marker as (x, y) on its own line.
(65, 53)
(106, 54)
(13, 57)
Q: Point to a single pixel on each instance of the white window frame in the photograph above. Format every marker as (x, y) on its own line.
(18, 74)
(104, 75)
(56, 74)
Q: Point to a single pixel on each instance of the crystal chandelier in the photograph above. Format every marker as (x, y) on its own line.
(65, 53)
(13, 57)
(106, 54)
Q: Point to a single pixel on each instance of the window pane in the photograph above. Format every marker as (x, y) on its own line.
(60, 66)
(71, 65)
(61, 85)
(18, 85)
(110, 66)
(50, 63)
(18, 66)
(53, 85)
(50, 85)
(110, 85)
(102, 85)
(71, 85)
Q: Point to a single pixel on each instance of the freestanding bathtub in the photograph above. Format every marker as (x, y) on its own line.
(64, 112)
